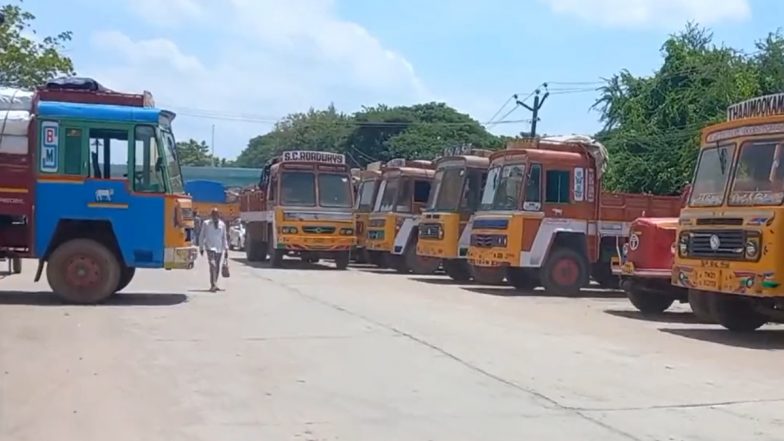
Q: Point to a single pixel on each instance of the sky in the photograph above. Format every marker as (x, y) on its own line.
(241, 65)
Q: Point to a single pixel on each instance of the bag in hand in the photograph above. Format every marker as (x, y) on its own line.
(225, 270)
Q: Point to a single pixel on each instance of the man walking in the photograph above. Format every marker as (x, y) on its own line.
(213, 238)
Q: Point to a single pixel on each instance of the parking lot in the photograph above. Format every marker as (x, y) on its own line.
(311, 353)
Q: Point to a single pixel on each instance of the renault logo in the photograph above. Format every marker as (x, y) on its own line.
(715, 243)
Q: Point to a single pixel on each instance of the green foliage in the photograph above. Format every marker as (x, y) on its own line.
(197, 153)
(373, 134)
(29, 62)
(652, 124)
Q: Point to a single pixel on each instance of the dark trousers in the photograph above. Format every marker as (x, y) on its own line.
(214, 258)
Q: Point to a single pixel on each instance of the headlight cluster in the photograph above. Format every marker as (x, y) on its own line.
(288, 230)
(346, 231)
(752, 246)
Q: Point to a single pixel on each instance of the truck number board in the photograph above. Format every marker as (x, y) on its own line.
(308, 156)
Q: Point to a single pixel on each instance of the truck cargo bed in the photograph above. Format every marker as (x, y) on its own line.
(626, 207)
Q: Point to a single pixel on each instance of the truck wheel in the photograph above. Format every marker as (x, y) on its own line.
(564, 273)
(125, 277)
(83, 271)
(522, 278)
(700, 306)
(418, 264)
(487, 275)
(648, 302)
(342, 259)
(16, 265)
(735, 312)
(457, 270)
(275, 256)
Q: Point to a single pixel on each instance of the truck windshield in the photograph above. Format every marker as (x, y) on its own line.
(334, 190)
(366, 191)
(175, 173)
(712, 175)
(298, 189)
(389, 196)
(447, 189)
(759, 174)
(503, 188)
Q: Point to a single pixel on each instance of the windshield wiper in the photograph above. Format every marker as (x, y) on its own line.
(723, 160)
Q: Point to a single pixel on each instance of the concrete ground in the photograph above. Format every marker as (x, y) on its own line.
(310, 353)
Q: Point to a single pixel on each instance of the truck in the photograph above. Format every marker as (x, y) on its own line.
(728, 247)
(445, 225)
(63, 200)
(369, 181)
(402, 195)
(301, 207)
(545, 218)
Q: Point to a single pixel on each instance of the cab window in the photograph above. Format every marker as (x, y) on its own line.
(148, 164)
(104, 145)
(557, 187)
(533, 189)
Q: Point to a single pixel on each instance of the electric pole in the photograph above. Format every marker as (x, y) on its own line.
(212, 143)
(538, 103)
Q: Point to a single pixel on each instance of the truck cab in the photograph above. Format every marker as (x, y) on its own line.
(402, 195)
(96, 193)
(444, 226)
(367, 191)
(545, 219)
(302, 207)
(728, 251)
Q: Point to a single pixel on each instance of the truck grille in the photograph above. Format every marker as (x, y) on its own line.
(429, 231)
(318, 229)
(376, 234)
(488, 240)
(730, 244)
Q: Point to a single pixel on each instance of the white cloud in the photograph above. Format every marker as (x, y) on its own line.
(272, 58)
(167, 13)
(653, 13)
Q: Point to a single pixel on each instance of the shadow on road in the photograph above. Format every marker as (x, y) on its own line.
(288, 264)
(44, 298)
(765, 339)
(586, 293)
(440, 281)
(665, 317)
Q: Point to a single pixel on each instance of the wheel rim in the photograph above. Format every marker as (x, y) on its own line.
(83, 271)
(566, 272)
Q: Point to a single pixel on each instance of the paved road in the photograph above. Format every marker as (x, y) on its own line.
(317, 354)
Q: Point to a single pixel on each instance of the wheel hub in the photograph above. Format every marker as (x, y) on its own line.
(566, 272)
(82, 271)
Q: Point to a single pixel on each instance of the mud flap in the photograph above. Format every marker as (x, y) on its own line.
(465, 239)
(402, 237)
(39, 271)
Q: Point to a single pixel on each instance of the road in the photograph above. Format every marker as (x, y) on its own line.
(311, 353)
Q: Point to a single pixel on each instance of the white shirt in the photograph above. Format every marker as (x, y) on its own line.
(211, 238)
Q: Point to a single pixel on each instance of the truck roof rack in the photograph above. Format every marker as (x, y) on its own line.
(89, 91)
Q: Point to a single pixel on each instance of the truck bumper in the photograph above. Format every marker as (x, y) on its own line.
(180, 258)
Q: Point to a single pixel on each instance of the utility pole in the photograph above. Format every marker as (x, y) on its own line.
(538, 103)
(212, 143)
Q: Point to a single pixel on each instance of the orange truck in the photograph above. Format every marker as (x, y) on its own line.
(545, 219)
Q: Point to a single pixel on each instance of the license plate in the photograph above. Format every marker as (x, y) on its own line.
(708, 279)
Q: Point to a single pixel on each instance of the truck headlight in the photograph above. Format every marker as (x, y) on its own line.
(346, 231)
(752, 247)
(288, 230)
(683, 244)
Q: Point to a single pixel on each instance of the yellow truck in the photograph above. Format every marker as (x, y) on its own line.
(728, 252)
(402, 195)
(445, 225)
(367, 190)
(301, 207)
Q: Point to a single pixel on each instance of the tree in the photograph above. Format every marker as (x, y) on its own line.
(652, 124)
(26, 62)
(194, 153)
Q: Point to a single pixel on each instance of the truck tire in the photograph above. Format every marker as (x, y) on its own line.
(412, 262)
(16, 265)
(523, 279)
(457, 270)
(735, 312)
(83, 271)
(341, 260)
(564, 273)
(275, 255)
(125, 277)
(487, 275)
(256, 251)
(648, 302)
(700, 306)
